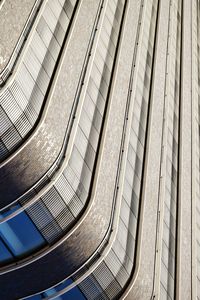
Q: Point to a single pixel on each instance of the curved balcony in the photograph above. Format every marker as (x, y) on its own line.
(17, 31)
(43, 147)
(23, 98)
(72, 253)
(60, 206)
(109, 278)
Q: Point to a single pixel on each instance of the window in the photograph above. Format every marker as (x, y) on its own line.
(20, 234)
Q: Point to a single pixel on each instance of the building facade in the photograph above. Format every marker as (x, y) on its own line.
(100, 149)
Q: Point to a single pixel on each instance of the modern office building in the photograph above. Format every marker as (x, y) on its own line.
(100, 149)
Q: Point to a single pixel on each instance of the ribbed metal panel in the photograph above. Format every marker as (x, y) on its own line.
(22, 100)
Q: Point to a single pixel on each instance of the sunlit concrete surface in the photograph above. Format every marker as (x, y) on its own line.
(13, 17)
(37, 155)
(101, 198)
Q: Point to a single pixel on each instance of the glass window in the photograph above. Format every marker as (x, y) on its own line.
(20, 234)
(5, 255)
(73, 294)
(50, 293)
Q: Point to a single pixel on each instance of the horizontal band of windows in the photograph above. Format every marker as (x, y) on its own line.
(23, 99)
(7, 71)
(112, 274)
(58, 208)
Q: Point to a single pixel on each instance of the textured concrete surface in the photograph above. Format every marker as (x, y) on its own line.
(195, 151)
(37, 156)
(185, 197)
(142, 285)
(83, 242)
(13, 16)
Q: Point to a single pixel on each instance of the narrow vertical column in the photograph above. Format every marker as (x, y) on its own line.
(195, 150)
(142, 284)
(184, 287)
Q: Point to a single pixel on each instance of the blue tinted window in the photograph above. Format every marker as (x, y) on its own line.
(51, 292)
(5, 255)
(20, 234)
(64, 284)
(73, 294)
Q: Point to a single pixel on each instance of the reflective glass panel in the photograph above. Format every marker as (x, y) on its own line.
(20, 234)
